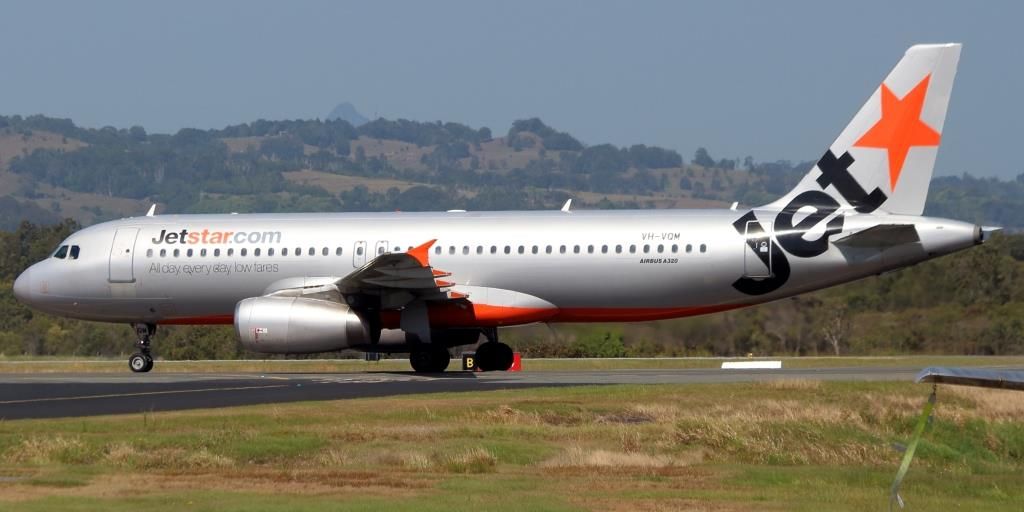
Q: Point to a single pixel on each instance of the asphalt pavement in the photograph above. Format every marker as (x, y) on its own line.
(54, 395)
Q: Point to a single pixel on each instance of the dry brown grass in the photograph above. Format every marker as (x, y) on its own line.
(990, 404)
(45, 450)
(577, 456)
(793, 384)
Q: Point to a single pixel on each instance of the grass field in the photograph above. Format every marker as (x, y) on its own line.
(53, 364)
(784, 445)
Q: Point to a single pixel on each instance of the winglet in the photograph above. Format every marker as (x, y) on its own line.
(567, 205)
(421, 253)
(152, 211)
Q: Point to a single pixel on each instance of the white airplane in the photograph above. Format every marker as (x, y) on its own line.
(424, 282)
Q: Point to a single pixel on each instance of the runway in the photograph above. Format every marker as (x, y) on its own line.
(25, 396)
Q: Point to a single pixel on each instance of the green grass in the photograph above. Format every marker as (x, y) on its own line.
(107, 365)
(789, 445)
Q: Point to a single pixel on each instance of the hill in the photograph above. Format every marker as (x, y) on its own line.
(51, 168)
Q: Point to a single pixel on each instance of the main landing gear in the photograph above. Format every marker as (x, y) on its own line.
(432, 358)
(142, 361)
(492, 355)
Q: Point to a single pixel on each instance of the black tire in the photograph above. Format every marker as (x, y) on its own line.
(140, 363)
(433, 359)
(504, 357)
(494, 357)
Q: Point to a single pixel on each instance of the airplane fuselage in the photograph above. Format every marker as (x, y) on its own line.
(580, 266)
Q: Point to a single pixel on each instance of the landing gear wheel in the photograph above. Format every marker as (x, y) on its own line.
(140, 363)
(494, 356)
(432, 359)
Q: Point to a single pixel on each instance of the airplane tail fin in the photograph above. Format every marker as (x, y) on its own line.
(885, 157)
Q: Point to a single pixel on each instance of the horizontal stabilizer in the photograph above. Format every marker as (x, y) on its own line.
(881, 236)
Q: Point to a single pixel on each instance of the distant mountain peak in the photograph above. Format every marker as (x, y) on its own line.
(346, 111)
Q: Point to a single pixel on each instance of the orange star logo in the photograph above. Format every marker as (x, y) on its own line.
(900, 127)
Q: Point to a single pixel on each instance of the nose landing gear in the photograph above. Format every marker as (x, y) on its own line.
(142, 361)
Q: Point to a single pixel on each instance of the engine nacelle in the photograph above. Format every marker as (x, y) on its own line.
(296, 325)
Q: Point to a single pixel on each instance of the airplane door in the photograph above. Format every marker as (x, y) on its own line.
(757, 256)
(359, 254)
(122, 256)
(381, 248)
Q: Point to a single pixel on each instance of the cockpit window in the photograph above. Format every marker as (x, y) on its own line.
(74, 253)
(61, 252)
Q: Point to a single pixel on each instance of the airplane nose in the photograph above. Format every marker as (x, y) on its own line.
(23, 286)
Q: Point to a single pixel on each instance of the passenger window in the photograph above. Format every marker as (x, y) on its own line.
(437, 250)
(202, 252)
(618, 249)
(451, 249)
(647, 248)
(547, 249)
(689, 248)
(675, 248)
(632, 249)
(337, 251)
(380, 250)
(298, 251)
(661, 248)
(535, 249)
(703, 248)
(397, 249)
(149, 253)
(590, 249)
(231, 252)
(359, 251)
(256, 251)
(561, 249)
(244, 251)
(522, 249)
(61, 253)
(216, 253)
(284, 251)
(479, 249)
(188, 253)
(465, 249)
(604, 249)
(311, 251)
(508, 249)
(163, 253)
(575, 249)
(177, 253)
(270, 252)
(494, 249)
(324, 252)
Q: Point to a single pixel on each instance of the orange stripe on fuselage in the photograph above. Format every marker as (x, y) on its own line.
(200, 320)
(467, 314)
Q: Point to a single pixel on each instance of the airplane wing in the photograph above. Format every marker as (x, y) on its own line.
(881, 236)
(399, 278)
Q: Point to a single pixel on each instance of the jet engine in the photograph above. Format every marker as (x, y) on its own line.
(296, 325)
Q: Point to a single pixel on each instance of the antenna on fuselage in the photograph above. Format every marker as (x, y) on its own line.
(152, 211)
(567, 205)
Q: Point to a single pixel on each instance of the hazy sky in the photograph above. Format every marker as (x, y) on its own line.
(775, 80)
